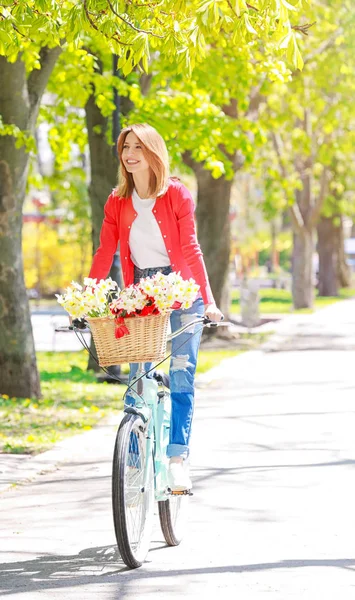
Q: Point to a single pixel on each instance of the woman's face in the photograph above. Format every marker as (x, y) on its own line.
(132, 155)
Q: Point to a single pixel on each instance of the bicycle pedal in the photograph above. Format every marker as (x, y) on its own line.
(181, 492)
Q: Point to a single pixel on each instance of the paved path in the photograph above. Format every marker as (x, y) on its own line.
(273, 511)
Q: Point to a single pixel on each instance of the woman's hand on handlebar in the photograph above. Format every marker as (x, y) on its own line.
(213, 313)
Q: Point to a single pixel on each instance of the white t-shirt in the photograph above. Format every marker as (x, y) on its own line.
(145, 239)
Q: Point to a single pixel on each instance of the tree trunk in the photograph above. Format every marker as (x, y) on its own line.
(302, 270)
(19, 104)
(103, 168)
(303, 276)
(213, 226)
(328, 238)
(18, 371)
(344, 271)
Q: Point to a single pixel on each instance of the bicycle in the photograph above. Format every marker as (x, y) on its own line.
(140, 465)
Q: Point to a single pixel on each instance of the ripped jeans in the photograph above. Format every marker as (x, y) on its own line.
(182, 373)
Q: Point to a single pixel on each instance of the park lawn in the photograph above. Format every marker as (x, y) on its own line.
(72, 402)
(275, 301)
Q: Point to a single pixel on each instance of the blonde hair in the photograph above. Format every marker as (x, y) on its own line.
(156, 154)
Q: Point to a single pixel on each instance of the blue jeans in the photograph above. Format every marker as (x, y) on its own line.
(182, 373)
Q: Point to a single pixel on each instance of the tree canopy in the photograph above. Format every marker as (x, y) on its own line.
(132, 29)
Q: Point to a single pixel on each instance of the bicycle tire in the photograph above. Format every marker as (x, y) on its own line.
(130, 501)
(173, 518)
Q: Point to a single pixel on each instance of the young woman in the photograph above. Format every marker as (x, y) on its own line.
(152, 216)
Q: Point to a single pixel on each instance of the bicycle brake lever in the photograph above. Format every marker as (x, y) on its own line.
(79, 324)
(207, 321)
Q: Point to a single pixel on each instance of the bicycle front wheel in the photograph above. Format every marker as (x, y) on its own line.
(133, 491)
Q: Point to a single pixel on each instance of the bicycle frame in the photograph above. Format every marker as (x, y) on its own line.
(154, 407)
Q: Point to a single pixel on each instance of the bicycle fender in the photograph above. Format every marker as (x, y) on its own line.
(143, 412)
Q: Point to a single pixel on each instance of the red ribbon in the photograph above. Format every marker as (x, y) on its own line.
(176, 305)
(120, 329)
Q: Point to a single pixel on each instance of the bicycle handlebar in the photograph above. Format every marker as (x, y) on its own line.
(82, 326)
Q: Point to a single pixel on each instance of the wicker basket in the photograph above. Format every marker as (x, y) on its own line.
(146, 341)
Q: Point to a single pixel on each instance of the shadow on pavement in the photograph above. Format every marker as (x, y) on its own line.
(56, 571)
(220, 472)
(103, 565)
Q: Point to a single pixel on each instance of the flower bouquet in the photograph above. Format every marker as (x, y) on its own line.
(129, 325)
(91, 300)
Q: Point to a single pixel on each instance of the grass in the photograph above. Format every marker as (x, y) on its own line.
(275, 301)
(72, 402)
(210, 358)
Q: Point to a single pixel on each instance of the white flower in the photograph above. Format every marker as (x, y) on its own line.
(106, 285)
(89, 282)
(96, 299)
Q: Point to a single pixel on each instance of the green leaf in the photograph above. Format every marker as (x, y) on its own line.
(288, 5)
(297, 58)
(248, 25)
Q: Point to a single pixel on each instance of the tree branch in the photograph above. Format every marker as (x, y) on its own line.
(161, 37)
(318, 205)
(235, 12)
(145, 81)
(231, 109)
(116, 36)
(303, 28)
(296, 218)
(255, 100)
(191, 162)
(277, 143)
(38, 78)
(295, 213)
(328, 43)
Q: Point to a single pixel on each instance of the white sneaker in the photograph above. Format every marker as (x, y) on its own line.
(133, 486)
(179, 479)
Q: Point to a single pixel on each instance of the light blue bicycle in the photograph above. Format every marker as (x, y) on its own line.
(140, 469)
(140, 464)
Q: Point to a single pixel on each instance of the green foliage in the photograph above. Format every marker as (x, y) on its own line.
(211, 115)
(23, 139)
(312, 119)
(132, 30)
(182, 33)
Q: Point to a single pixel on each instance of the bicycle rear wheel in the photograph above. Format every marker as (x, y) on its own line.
(173, 515)
(132, 491)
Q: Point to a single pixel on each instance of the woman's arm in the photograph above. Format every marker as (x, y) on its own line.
(109, 237)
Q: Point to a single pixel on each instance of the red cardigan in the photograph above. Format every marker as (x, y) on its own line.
(174, 212)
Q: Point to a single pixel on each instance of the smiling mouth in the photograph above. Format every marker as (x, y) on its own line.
(132, 162)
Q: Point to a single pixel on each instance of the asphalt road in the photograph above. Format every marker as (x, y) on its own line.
(272, 514)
